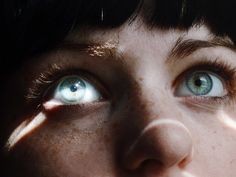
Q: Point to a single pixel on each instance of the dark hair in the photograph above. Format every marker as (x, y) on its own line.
(30, 27)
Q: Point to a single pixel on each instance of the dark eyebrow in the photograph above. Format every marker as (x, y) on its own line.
(98, 49)
(185, 47)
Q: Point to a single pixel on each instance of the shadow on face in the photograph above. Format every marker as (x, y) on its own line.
(129, 101)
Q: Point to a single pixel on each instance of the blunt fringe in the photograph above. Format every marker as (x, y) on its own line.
(31, 27)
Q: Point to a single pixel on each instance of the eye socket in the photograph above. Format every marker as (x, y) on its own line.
(202, 83)
(75, 90)
(72, 90)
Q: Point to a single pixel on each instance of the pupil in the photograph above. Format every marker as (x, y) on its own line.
(74, 87)
(198, 82)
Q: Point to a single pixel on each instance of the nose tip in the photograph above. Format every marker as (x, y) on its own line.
(166, 142)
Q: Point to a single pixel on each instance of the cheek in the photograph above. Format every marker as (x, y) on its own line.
(68, 147)
(214, 145)
(66, 151)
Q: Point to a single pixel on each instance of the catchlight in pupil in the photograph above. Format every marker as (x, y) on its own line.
(199, 83)
(71, 89)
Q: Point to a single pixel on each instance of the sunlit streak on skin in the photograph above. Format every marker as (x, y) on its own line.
(157, 123)
(51, 104)
(102, 50)
(226, 120)
(25, 128)
(187, 174)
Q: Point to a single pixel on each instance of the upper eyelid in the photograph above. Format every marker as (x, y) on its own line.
(219, 67)
(228, 79)
(54, 75)
(45, 79)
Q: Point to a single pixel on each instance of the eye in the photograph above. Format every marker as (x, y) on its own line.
(75, 90)
(202, 83)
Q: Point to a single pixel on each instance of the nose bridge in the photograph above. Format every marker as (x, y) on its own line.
(153, 83)
(162, 138)
(158, 135)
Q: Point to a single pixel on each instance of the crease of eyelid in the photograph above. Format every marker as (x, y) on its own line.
(185, 47)
(104, 51)
(225, 70)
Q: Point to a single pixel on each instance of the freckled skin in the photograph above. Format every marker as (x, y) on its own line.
(107, 140)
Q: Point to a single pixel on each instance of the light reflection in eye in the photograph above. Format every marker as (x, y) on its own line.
(202, 83)
(24, 129)
(73, 90)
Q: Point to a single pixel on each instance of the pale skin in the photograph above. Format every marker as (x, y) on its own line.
(145, 127)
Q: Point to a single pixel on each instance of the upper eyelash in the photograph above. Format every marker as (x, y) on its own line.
(222, 68)
(52, 75)
(217, 66)
(43, 81)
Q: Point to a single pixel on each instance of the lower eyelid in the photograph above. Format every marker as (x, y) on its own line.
(207, 104)
(51, 104)
(218, 66)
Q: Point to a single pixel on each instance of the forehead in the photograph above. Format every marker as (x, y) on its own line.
(139, 45)
(137, 37)
(137, 31)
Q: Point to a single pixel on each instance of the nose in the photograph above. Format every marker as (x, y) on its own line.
(166, 142)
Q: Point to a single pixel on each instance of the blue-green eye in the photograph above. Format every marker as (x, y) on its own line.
(76, 90)
(202, 83)
(199, 83)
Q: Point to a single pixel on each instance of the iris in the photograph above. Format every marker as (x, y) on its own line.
(72, 89)
(199, 83)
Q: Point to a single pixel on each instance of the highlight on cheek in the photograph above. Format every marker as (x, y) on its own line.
(226, 120)
(24, 129)
(187, 174)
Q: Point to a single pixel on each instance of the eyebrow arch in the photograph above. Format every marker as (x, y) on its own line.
(185, 47)
(105, 50)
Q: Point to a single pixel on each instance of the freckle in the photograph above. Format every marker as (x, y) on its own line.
(232, 161)
(213, 147)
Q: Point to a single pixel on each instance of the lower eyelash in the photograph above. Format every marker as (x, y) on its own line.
(46, 79)
(219, 67)
(208, 104)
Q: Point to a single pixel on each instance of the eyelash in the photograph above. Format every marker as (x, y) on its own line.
(48, 79)
(219, 67)
(44, 82)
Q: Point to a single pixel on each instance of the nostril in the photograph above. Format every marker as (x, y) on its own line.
(165, 142)
(186, 160)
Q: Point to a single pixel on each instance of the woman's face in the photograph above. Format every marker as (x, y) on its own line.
(128, 102)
